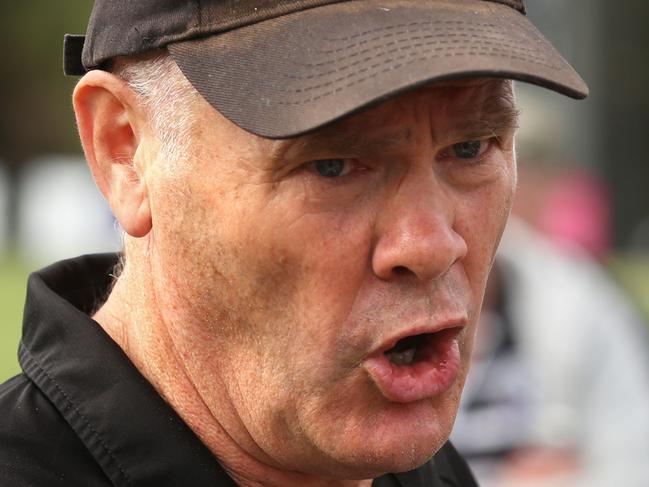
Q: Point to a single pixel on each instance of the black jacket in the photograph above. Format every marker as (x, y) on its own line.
(81, 415)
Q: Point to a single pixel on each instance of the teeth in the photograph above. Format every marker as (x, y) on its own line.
(402, 358)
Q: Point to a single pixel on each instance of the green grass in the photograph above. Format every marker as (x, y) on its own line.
(13, 281)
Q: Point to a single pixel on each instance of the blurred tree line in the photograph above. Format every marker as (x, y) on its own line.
(35, 96)
(625, 114)
(37, 114)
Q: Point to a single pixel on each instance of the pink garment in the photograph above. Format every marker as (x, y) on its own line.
(577, 213)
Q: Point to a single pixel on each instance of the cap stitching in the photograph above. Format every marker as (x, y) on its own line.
(454, 33)
(410, 24)
(436, 40)
(494, 51)
(441, 46)
(474, 29)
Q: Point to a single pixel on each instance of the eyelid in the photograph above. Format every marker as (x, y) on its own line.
(347, 166)
(445, 153)
(353, 166)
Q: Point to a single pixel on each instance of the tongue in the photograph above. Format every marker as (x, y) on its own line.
(405, 351)
(402, 358)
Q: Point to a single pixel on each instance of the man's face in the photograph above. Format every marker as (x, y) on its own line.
(322, 292)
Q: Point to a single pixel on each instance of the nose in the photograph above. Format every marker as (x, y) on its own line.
(415, 233)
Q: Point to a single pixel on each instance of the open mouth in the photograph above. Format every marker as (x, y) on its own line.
(412, 349)
(417, 366)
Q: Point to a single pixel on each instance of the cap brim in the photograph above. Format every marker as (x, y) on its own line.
(293, 74)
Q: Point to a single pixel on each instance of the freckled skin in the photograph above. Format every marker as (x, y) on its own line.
(273, 284)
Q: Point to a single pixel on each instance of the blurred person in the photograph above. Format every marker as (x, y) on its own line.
(571, 206)
(60, 211)
(577, 212)
(558, 394)
(639, 242)
(312, 195)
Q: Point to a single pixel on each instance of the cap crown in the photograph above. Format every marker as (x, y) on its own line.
(123, 27)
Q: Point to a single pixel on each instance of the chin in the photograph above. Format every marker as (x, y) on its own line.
(373, 463)
(401, 439)
(363, 435)
(407, 457)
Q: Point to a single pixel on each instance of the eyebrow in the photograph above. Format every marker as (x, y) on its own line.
(496, 116)
(337, 139)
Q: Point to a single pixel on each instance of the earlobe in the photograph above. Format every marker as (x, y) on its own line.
(111, 126)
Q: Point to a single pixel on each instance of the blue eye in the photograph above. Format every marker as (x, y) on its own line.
(330, 168)
(469, 149)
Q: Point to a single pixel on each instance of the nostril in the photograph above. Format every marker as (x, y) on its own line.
(400, 270)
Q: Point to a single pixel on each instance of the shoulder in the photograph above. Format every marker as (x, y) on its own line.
(38, 447)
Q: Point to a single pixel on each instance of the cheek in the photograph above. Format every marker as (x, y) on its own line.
(324, 261)
(480, 219)
(332, 254)
(284, 274)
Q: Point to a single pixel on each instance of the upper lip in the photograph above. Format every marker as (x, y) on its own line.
(458, 322)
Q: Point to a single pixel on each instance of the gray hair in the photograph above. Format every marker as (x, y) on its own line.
(167, 96)
(169, 99)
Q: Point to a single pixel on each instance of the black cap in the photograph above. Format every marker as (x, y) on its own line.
(280, 68)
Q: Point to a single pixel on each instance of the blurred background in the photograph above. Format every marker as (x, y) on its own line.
(558, 395)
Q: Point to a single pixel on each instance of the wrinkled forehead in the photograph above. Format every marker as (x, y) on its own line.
(461, 102)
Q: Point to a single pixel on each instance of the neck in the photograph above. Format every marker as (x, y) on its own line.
(132, 319)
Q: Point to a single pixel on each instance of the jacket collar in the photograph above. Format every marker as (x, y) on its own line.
(133, 434)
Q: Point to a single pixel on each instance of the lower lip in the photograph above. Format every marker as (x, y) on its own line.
(424, 379)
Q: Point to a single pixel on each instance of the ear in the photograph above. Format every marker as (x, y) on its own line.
(112, 127)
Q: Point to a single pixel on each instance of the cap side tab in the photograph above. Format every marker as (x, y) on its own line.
(72, 49)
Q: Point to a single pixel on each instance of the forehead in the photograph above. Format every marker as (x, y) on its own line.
(468, 105)
(453, 101)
